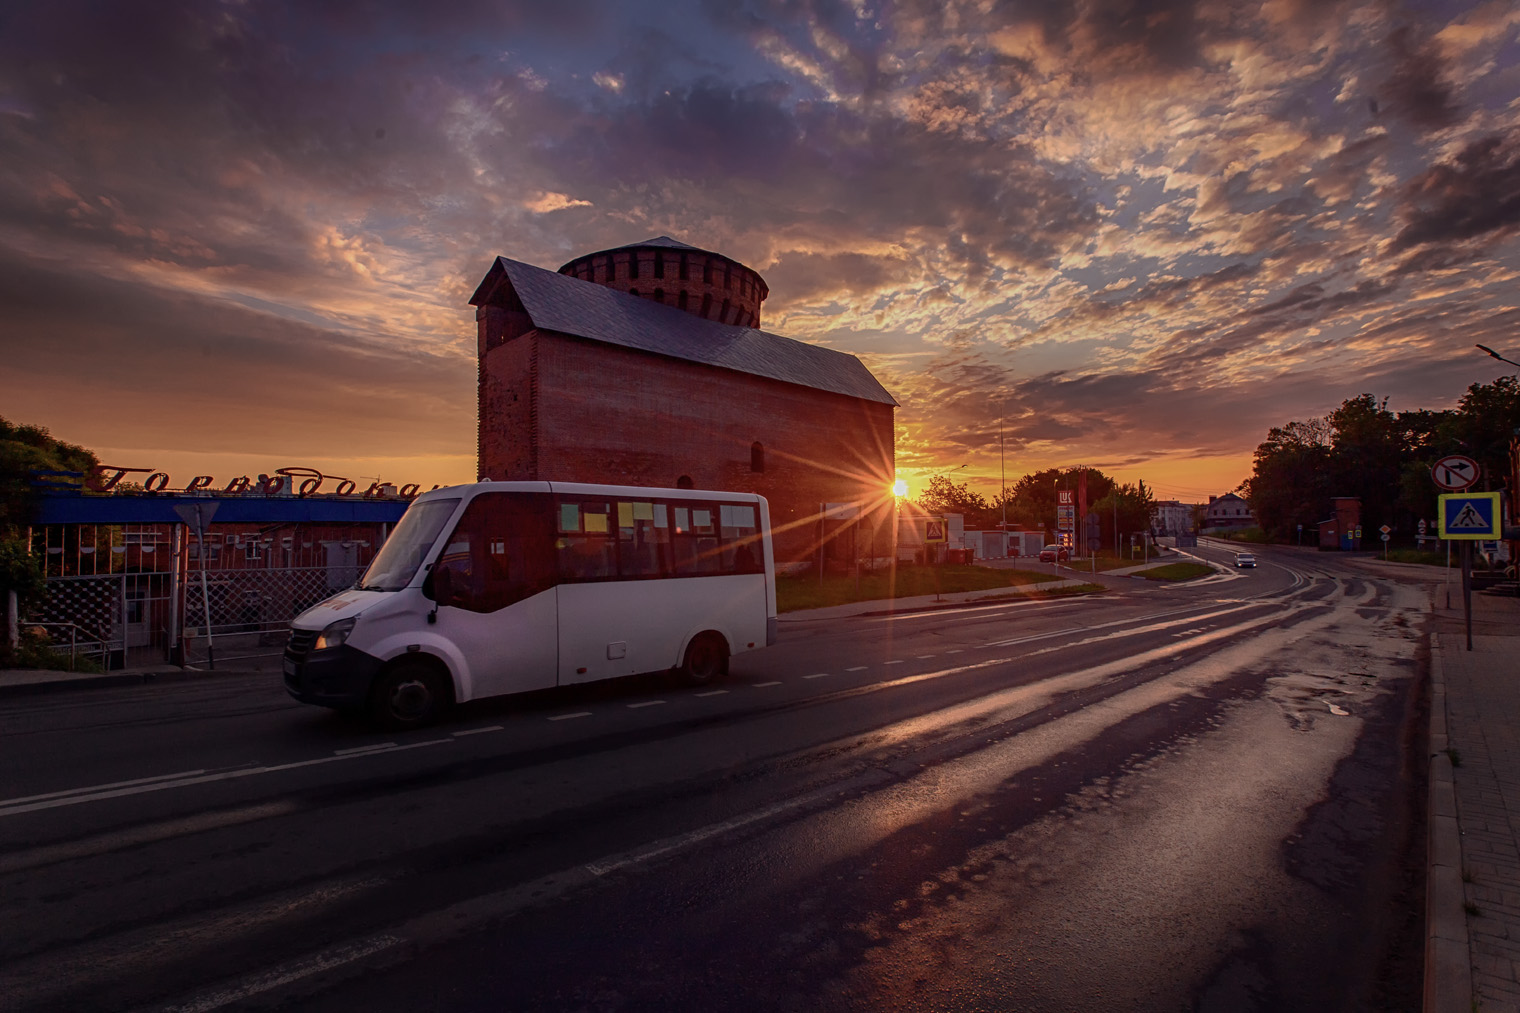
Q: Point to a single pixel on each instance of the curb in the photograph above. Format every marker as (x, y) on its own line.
(108, 680)
(1448, 963)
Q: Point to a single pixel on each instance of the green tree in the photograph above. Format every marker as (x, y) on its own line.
(1289, 484)
(944, 496)
(25, 450)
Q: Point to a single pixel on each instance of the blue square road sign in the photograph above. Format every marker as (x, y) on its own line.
(1470, 515)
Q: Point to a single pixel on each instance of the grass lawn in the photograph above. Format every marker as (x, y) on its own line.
(1175, 571)
(1428, 558)
(806, 592)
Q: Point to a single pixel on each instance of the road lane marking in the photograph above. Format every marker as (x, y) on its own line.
(926, 657)
(99, 787)
(645, 703)
(894, 661)
(478, 731)
(1131, 631)
(711, 692)
(858, 668)
(377, 747)
(16, 807)
(102, 844)
(817, 675)
(567, 717)
(284, 974)
(773, 682)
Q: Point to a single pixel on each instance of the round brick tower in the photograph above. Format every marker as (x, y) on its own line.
(702, 283)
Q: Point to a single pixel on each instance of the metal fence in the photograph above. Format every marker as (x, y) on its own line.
(132, 594)
(251, 610)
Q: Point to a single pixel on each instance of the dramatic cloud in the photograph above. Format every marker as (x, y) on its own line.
(1129, 233)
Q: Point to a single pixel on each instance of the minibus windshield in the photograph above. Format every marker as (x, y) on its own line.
(397, 561)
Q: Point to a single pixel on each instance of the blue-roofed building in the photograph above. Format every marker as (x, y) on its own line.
(646, 365)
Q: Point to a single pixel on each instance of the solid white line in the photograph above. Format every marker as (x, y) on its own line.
(858, 668)
(817, 675)
(99, 787)
(646, 703)
(567, 717)
(183, 782)
(773, 682)
(284, 974)
(711, 692)
(478, 731)
(364, 749)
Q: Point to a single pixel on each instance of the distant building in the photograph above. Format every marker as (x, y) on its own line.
(1342, 530)
(1228, 511)
(1172, 517)
(644, 365)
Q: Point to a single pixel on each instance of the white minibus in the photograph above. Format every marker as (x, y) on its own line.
(503, 587)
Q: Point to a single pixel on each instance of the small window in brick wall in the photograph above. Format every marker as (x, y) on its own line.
(684, 482)
(757, 456)
(659, 295)
(659, 264)
(681, 299)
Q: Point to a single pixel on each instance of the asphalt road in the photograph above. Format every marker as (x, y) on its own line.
(1202, 796)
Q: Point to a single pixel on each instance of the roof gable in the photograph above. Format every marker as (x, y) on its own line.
(584, 309)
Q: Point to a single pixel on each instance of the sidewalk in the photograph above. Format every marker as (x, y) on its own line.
(1472, 915)
(15, 682)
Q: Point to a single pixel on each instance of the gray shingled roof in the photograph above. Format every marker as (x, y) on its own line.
(558, 302)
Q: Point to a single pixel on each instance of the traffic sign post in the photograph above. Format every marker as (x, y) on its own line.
(1455, 472)
(198, 516)
(1468, 517)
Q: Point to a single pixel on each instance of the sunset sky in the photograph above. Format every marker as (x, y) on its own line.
(1135, 233)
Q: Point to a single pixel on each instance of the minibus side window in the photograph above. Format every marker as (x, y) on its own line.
(694, 539)
(585, 544)
(643, 538)
(741, 542)
(499, 553)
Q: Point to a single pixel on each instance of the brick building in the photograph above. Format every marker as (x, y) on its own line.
(644, 365)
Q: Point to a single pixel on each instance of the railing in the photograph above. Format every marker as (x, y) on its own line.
(90, 645)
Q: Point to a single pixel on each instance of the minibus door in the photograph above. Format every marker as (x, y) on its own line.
(494, 585)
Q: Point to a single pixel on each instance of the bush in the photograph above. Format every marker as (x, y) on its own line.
(35, 650)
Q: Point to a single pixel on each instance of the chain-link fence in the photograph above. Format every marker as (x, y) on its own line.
(251, 610)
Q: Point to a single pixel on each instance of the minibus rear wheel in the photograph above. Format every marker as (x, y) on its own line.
(409, 694)
(706, 659)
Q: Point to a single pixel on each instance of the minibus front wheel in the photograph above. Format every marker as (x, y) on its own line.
(706, 659)
(409, 693)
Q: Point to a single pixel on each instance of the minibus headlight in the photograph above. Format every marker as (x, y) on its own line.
(334, 635)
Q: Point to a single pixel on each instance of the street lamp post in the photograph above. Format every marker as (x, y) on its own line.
(1496, 355)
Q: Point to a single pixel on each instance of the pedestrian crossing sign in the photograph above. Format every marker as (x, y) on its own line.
(1470, 515)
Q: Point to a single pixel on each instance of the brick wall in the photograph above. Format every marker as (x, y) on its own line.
(715, 287)
(600, 413)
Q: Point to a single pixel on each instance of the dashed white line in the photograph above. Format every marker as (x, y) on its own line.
(817, 675)
(567, 717)
(645, 703)
(479, 731)
(925, 657)
(894, 661)
(773, 682)
(858, 668)
(377, 747)
(711, 692)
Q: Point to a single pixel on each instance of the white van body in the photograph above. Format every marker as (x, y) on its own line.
(505, 587)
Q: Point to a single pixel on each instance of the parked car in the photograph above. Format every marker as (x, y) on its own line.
(1244, 559)
(1055, 554)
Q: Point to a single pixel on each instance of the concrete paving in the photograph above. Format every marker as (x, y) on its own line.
(1473, 884)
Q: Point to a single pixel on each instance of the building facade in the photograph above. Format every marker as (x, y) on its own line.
(626, 367)
(1228, 511)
